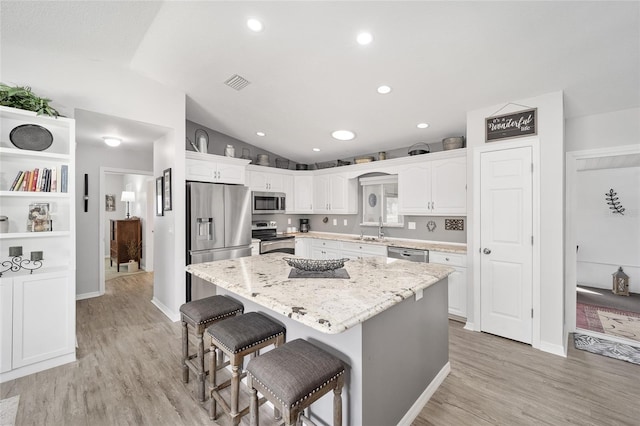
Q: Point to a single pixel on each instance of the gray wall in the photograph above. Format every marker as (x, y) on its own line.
(218, 142)
(89, 159)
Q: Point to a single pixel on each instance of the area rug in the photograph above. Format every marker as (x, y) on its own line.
(9, 410)
(608, 321)
(607, 348)
(111, 272)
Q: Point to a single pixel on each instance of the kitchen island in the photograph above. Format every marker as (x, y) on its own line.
(387, 322)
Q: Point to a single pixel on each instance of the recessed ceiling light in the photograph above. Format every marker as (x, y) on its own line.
(112, 141)
(364, 38)
(343, 135)
(316, 149)
(254, 25)
(383, 90)
(422, 125)
(261, 133)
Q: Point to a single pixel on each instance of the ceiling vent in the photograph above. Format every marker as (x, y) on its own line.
(237, 82)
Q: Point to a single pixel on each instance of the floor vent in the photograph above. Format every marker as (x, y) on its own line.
(237, 82)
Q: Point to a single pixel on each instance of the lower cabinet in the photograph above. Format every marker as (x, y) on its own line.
(457, 280)
(303, 247)
(37, 328)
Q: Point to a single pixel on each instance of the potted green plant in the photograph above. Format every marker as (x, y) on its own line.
(22, 97)
(134, 250)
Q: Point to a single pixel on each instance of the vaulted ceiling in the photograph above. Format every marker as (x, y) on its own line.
(308, 75)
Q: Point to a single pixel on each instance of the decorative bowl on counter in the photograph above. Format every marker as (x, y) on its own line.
(314, 264)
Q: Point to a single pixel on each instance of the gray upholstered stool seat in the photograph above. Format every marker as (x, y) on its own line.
(294, 376)
(236, 338)
(200, 314)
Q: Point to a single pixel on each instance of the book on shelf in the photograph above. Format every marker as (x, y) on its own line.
(41, 180)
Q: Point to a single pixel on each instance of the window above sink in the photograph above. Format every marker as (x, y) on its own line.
(380, 201)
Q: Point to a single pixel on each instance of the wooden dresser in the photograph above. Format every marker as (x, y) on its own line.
(121, 232)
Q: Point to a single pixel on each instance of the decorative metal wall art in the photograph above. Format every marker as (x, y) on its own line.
(431, 226)
(454, 224)
(613, 203)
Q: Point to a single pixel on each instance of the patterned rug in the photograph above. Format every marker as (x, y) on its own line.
(608, 321)
(607, 348)
(9, 410)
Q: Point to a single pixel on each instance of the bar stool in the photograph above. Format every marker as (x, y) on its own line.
(293, 377)
(236, 338)
(200, 314)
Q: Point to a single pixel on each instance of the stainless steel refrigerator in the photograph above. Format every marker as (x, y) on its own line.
(218, 228)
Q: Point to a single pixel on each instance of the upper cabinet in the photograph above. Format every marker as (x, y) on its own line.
(270, 181)
(335, 193)
(435, 187)
(302, 194)
(215, 168)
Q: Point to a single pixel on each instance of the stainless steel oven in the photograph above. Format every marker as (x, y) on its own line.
(270, 241)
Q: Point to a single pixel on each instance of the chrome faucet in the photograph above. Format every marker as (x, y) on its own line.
(380, 233)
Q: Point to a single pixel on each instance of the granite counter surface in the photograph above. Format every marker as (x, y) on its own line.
(329, 305)
(389, 242)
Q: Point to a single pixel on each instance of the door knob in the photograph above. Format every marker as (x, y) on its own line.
(486, 251)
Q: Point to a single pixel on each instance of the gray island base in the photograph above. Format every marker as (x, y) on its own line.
(387, 323)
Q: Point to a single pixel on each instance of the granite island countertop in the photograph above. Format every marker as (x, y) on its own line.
(329, 305)
(458, 248)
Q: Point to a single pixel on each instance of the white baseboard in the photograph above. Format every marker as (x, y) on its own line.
(553, 349)
(37, 367)
(165, 310)
(470, 326)
(422, 400)
(89, 295)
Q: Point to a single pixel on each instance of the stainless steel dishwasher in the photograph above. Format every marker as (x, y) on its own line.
(412, 255)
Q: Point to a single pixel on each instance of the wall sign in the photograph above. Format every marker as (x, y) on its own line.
(514, 125)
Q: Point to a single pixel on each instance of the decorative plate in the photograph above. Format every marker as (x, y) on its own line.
(31, 137)
(315, 265)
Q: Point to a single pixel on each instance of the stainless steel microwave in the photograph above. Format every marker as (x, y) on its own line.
(267, 202)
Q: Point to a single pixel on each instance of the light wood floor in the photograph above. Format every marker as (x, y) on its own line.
(128, 373)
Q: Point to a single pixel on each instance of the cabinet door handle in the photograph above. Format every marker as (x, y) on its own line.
(433, 205)
(486, 251)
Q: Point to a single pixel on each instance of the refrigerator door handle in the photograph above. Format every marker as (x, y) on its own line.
(205, 228)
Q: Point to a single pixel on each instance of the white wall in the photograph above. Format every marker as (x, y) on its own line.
(137, 184)
(96, 86)
(548, 330)
(611, 129)
(608, 240)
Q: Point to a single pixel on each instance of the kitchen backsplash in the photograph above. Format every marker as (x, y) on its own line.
(353, 226)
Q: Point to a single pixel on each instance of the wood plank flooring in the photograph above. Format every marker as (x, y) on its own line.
(128, 373)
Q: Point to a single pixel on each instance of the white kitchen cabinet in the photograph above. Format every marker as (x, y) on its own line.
(202, 167)
(360, 250)
(303, 247)
(37, 318)
(335, 193)
(302, 194)
(434, 188)
(325, 249)
(269, 181)
(457, 280)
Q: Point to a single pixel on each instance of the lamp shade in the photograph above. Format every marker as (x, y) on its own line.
(128, 196)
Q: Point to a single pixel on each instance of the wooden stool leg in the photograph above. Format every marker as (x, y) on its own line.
(254, 419)
(201, 373)
(235, 389)
(185, 352)
(213, 405)
(337, 404)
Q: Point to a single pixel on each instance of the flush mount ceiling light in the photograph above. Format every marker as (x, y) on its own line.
(422, 125)
(383, 90)
(254, 25)
(316, 149)
(364, 38)
(261, 133)
(343, 135)
(112, 141)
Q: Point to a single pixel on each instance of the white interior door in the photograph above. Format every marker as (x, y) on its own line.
(506, 230)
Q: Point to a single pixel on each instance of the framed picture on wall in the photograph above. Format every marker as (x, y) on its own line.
(110, 202)
(166, 175)
(159, 198)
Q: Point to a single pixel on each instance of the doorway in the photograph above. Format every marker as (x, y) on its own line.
(112, 183)
(600, 240)
(506, 243)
